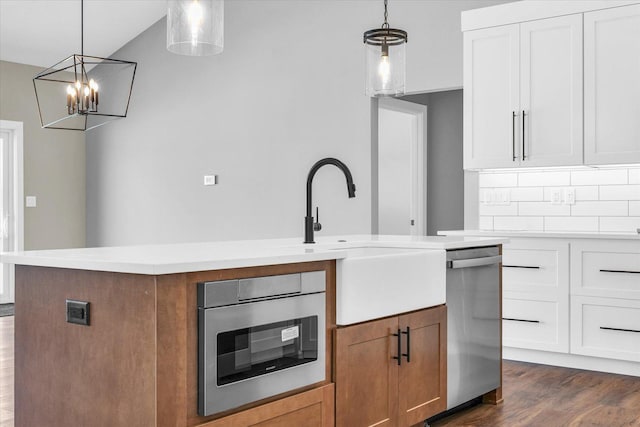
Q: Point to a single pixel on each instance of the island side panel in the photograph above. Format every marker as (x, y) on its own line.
(97, 375)
(494, 397)
(193, 419)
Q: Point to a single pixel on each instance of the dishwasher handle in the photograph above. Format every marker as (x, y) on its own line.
(474, 262)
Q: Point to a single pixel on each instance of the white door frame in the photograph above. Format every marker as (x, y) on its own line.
(418, 160)
(14, 228)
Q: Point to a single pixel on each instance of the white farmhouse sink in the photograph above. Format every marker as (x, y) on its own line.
(374, 282)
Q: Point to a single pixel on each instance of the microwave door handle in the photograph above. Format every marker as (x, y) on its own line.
(474, 262)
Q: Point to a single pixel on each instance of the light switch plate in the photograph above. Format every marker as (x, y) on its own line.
(31, 202)
(210, 179)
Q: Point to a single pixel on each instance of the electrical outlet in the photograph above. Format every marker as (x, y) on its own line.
(78, 312)
(210, 179)
(570, 196)
(556, 196)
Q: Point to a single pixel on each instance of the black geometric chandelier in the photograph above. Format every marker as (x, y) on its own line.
(385, 53)
(96, 90)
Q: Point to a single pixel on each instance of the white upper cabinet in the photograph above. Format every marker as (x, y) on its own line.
(612, 85)
(491, 97)
(551, 91)
(523, 94)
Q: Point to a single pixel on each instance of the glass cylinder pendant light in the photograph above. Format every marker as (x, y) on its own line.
(385, 50)
(195, 27)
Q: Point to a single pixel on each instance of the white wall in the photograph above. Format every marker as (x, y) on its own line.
(287, 91)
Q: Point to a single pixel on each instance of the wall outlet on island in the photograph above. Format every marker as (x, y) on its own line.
(210, 179)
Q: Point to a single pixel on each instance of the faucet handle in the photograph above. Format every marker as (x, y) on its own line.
(316, 225)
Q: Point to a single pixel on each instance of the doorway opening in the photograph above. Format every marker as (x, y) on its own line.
(11, 207)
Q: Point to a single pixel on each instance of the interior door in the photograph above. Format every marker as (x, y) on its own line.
(551, 91)
(401, 177)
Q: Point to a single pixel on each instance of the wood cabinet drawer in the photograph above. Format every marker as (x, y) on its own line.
(536, 267)
(605, 327)
(606, 269)
(538, 325)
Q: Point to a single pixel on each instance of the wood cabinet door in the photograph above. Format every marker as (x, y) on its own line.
(366, 374)
(491, 97)
(612, 85)
(551, 91)
(422, 382)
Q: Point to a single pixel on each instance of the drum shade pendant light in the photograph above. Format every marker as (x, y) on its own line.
(195, 27)
(97, 90)
(385, 50)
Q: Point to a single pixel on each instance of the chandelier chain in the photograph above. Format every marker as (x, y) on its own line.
(82, 27)
(386, 16)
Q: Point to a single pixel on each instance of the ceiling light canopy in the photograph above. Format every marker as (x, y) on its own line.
(97, 90)
(385, 50)
(195, 27)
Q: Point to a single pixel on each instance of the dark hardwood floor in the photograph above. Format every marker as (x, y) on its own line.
(534, 395)
(549, 396)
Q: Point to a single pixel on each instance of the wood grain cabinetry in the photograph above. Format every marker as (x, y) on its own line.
(374, 387)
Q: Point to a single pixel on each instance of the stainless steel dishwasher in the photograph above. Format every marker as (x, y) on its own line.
(473, 323)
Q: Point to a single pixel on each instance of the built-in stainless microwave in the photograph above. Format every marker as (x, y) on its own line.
(259, 337)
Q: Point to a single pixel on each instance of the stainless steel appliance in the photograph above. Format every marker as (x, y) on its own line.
(473, 323)
(259, 337)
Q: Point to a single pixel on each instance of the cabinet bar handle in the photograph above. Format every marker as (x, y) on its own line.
(520, 320)
(513, 134)
(620, 271)
(523, 133)
(408, 353)
(399, 356)
(619, 329)
(520, 266)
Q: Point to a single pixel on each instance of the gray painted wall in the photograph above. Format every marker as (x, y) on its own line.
(287, 91)
(54, 166)
(445, 177)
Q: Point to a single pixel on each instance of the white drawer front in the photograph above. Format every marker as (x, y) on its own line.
(607, 269)
(538, 325)
(536, 267)
(606, 327)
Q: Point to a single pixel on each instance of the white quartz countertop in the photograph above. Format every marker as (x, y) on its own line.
(189, 257)
(549, 234)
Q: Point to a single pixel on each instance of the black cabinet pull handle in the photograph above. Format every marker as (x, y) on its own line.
(520, 266)
(399, 356)
(523, 134)
(620, 271)
(513, 134)
(619, 329)
(520, 320)
(408, 353)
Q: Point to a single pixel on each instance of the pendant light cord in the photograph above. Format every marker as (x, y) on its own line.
(82, 27)
(386, 16)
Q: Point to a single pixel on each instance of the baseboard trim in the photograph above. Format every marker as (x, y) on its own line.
(572, 361)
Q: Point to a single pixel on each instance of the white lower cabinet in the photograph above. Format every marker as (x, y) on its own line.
(573, 301)
(605, 327)
(534, 324)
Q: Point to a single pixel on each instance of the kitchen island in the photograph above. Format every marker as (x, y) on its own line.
(136, 362)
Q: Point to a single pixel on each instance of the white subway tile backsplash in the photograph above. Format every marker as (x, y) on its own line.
(559, 223)
(488, 180)
(486, 223)
(518, 223)
(620, 192)
(600, 208)
(527, 194)
(543, 179)
(606, 199)
(622, 224)
(498, 210)
(542, 209)
(599, 177)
